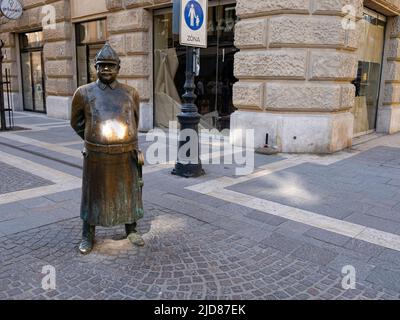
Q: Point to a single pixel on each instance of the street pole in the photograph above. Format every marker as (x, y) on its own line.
(3, 126)
(189, 118)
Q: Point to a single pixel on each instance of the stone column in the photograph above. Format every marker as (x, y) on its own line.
(295, 65)
(58, 69)
(58, 62)
(129, 28)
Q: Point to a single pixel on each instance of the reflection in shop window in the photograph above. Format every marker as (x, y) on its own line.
(90, 38)
(32, 40)
(367, 81)
(215, 81)
(33, 90)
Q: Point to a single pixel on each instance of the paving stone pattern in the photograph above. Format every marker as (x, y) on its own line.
(14, 179)
(183, 259)
(201, 247)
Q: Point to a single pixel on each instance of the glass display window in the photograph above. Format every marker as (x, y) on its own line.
(215, 81)
(90, 38)
(368, 78)
(32, 69)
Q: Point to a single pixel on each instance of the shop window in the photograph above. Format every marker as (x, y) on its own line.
(33, 89)
(216, 79)
(367, 82)
(90, 38)
(31, 40)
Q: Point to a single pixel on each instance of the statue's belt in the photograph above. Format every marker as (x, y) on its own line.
(110, 149)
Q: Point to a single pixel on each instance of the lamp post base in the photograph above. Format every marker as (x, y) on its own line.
(188, 170)
(189, 119)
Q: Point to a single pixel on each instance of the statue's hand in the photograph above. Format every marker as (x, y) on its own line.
(140, 156)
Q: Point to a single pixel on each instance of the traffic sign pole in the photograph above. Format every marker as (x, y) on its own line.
(3, 125)
(193, 27)
(189, 118)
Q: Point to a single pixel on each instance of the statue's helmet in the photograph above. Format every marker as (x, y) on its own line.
(107, 55)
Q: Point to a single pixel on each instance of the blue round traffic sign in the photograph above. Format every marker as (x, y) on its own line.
(194, 15)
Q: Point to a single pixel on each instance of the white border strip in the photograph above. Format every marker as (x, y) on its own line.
(216, 188)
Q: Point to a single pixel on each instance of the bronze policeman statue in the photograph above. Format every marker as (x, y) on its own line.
(105, 114)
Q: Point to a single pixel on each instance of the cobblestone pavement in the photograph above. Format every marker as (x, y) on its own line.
(199, 246)
(13, 179)
(184, 258)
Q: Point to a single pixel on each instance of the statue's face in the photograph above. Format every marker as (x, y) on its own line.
(107, 72)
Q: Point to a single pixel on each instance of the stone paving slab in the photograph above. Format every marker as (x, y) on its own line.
(363, 269)
(327, 190)
(33, 120)
(51, 135)
(77, 172)
(77, 146)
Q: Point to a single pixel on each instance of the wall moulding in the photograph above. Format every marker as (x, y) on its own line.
(386, 7)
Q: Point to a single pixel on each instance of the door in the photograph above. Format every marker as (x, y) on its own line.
(38, 81)
(215, 81)
(33, 72)
(367, 82)
(26, 69)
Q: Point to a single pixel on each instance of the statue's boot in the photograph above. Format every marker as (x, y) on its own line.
(86, 244)
(132, 235)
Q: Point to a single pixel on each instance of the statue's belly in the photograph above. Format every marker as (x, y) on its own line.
(112, 125)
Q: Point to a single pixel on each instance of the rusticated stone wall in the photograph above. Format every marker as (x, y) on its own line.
(57, 52)
(291, 60)
(129, 24)
(296, 61)
(129, 35)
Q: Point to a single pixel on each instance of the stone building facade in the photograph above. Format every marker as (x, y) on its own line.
(297, 67)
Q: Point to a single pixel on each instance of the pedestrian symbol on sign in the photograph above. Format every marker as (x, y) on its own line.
(193, 23)
(194, 15)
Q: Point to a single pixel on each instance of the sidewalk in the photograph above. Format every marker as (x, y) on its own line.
(282, 232)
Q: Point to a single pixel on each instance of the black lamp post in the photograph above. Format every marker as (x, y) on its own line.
(189, 118)
(3, 126)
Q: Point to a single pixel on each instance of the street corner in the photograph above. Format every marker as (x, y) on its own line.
(199, 150)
